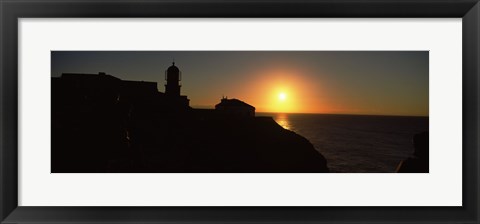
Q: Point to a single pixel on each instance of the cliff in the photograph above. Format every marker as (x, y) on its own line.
(107, 140)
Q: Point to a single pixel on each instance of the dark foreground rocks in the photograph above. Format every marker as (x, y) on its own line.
(419, 161)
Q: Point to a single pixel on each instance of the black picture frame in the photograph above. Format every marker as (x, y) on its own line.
(11, 11)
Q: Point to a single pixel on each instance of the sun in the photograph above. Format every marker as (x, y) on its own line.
(282, 96)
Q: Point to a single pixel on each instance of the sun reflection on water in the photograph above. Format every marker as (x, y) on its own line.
(282, 120)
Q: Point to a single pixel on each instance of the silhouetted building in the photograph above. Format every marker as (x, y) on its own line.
(101, 88)
(235, 107)
(73, 88)
(173, 76)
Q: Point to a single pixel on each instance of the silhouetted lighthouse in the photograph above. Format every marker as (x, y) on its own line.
(173, 77)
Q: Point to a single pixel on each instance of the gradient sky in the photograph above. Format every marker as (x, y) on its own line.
(343, 82)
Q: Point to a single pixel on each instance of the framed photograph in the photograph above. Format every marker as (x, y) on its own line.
(276, 111)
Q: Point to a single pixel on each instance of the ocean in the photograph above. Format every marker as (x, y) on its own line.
(356, 143)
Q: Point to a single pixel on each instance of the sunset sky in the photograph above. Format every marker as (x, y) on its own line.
(343, 82)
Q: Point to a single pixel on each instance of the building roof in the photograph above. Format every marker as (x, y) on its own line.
(173, 69)
(100, 75)
(234, 103)
(102, 79)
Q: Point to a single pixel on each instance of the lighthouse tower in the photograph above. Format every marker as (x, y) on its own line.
(173, 77)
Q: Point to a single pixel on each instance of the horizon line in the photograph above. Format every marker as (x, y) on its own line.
(270, 112)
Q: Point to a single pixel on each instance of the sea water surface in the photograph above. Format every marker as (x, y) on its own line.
(356, 143)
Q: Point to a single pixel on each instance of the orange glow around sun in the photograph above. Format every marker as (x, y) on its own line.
(281, 100)
(283, 91)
